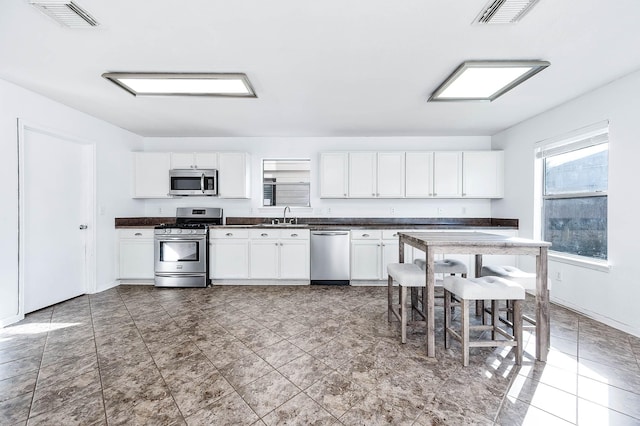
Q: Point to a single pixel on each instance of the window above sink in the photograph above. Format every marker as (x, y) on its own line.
(286, 182)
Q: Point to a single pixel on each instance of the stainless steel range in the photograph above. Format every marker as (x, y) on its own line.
(181, 249)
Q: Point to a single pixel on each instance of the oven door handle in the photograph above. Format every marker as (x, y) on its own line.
(185, 237)
(202, 183)
(177, 274)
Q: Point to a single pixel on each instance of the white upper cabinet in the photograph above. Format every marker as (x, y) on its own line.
(483, 174)
(419, 175)
(362, 174)
(194, 160)
(396, 174)
(151, 174)
(447, 174)
(391, 174)
(334, 168)
(376, 174)
(233, 175)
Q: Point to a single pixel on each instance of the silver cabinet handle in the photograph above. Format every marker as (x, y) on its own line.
(294, 235)
(264, 235)
(137, 234)
(345, 195)
(395, 235)
(373, 194)
(83, 226)
(366, 235)
(229, 234)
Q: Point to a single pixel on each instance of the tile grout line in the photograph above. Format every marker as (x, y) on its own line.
(95, 342)
(35, 384)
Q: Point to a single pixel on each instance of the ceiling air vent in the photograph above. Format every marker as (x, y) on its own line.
(66, 13)
(504, 11)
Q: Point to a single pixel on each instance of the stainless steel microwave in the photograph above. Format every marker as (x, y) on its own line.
(193, 182)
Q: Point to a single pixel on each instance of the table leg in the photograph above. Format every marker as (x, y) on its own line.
(479, 303)
(543, 326)
(429, 305)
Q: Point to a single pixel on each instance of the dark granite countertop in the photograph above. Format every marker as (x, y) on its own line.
(315, 223)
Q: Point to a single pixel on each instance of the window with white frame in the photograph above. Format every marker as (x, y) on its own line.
(286, 182)
(574, 192)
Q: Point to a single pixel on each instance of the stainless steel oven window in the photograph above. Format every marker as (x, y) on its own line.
(179, 251)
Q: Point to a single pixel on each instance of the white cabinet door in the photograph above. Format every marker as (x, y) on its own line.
(334, 168)
(233, 175)
(182, 160)
(447, 174)
(391, 169)
(151, 174)
(294, 259)
(365, 260)
(419, 175)
(264, 259)
(194, 160)
(229, 259)
(135, 254)
(483, 174)
(205, 160)
(390, 254)
(362, 174)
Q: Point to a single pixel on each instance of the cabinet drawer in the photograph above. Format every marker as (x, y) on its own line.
(391, 234)
(263, 234)
(366, 234)
(137, 233)
(229, 233)
(294, 234)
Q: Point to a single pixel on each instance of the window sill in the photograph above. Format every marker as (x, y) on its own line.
(598, 265)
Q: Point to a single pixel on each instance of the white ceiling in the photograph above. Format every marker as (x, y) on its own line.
(320, 68)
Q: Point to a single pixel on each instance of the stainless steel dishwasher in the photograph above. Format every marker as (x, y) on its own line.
(330, 259)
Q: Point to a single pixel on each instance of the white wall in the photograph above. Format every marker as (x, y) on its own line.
(611, 297)
(112, 187)
(273, 147)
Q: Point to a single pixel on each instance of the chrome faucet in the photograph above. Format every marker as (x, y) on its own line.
(284, 215)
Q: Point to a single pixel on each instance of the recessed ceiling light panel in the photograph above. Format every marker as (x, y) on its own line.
(485, 80)
(183, 84)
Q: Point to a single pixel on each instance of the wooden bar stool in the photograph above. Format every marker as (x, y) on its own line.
(484, 288)
(526, 279)
(445, 266)
(406, 275)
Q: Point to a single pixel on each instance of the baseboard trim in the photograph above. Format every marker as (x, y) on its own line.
(597, 317)
(10, 320)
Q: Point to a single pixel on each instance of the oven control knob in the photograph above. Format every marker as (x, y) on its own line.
(178, 231)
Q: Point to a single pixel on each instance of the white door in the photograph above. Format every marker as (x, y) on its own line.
(57, 187)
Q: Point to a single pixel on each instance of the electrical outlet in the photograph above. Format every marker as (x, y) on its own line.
(558, 276)
(328, 210)
(392, 210)
(160, 210)
(464, 210)
(440, 211)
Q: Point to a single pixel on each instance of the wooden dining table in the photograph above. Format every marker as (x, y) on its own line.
(479, 244)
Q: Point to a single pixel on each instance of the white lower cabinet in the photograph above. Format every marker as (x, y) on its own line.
(279, 254)
(135, 254)
(229, 254)
(372, 250)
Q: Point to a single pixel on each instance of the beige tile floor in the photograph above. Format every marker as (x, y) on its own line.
(295, 355)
